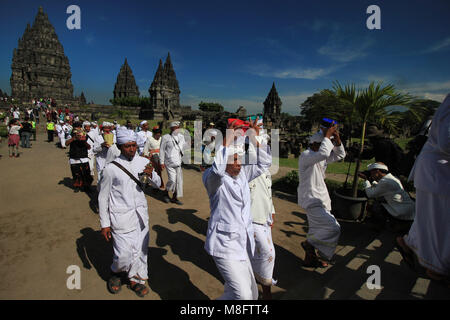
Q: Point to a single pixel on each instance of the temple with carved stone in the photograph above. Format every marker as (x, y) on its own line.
(125, 84)
(164, 94)
(272, 109)
(40, 69)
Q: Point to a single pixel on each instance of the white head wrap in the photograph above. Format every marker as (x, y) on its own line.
(106, 124)
(377, 165)
(142, 123)
(125, 135)
(86, 123)
(316, 137)
(94, 123)
(175, 124)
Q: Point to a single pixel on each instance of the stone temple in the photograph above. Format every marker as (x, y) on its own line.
(164, 94)
(40, 68)
(125, 84)
(272, 109)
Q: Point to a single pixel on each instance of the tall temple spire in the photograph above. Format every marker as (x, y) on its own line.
(126, 84)
(164, 92)
(39, 66)
(272, 108)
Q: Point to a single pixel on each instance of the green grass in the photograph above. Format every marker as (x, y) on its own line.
(336, 167)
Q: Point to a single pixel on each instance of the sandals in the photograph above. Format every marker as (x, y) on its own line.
(407, 254)
(138, 288)
(311, 259)
(115, 281)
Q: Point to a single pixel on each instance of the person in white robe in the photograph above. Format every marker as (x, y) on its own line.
(262, 209)
(324, 230)
(151, 151)
(61, 133)
(104, 152)
(123, 212)
(143, 135)
(170, 155)
(230, 237)
(429, 236)
(392, 205)
(90, 138)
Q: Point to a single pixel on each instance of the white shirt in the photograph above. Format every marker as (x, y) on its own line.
(398, 203)
(261, 199)
(120, 200)
(14, 129)
(142, 137)
(16, 115)
(90, 138)
(151, 144)
(312, 190)
(105, 155)
(230, 225)
(170, 149)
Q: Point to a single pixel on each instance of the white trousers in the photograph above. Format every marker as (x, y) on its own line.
(263, 261)
(62, 140)
(323, 231)
(130, 253)
(240, 282)
(175, 180)
(92, 164)
(429, 236)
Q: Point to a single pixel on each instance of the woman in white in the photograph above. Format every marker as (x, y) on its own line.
(262, 209)
(14, 137)
(151, 151)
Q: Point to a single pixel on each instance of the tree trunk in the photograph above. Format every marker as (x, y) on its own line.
(358, 162)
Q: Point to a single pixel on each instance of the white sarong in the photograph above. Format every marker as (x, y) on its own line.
(429, 236)
(240, 282)
(323, 231)
(263, 261)
(130, 253)
(175, 180)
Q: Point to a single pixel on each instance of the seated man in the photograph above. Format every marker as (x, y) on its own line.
(393, 204)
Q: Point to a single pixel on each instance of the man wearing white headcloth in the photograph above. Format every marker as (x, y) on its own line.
(142, 136)
(170, 154)
(393, 204)
(105, 148)
(123, 212)
(230, 237)
(262, 209)
(429, 236)
(324, 230)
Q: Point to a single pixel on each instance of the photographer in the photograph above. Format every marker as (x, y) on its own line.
(79, 160)
(393, 204)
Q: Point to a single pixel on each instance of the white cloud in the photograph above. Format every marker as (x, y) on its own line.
(442, 45)
(90, 39)
(290, 73)
(346, 48)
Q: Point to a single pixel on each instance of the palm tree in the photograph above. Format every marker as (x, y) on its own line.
(367, 104)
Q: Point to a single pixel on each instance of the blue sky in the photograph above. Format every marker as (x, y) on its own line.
(231, 52)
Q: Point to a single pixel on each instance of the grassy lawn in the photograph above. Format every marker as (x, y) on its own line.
(336, 167)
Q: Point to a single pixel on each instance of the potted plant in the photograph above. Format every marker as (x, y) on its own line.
(368, 105)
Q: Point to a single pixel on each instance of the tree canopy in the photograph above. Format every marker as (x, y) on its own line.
(210, 107)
